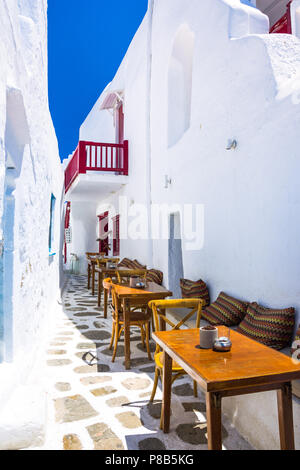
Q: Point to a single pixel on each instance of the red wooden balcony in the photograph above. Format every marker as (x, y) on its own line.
(92, 156)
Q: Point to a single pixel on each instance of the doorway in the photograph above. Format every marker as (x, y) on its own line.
(175, 262)
(103, 233)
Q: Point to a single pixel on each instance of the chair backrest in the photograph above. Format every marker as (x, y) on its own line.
(103, 261)
(160, 307)
(124, 275)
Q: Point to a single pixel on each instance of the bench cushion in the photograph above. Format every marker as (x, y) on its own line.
(271, 327)
(154, 275)
(194, 289)
(226, 310)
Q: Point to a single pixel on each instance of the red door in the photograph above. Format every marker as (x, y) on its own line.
(119, 125)
(116, 235)
(103, 233)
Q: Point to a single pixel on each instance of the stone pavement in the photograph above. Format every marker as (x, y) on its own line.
(102, 406)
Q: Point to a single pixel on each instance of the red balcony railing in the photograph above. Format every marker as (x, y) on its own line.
(284, 24)
(92, 156)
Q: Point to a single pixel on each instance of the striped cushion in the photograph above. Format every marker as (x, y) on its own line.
(137, 265)
(154, 275)
(194, 289)
(296, 347)
(125, 263)
(226, 310)
(271, 327)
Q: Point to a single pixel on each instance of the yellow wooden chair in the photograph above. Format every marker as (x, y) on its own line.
(140, 316)
(159, 310)
(124, 275)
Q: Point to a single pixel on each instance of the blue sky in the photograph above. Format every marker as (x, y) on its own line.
(87, 41)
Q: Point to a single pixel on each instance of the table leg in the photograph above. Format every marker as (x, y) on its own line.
(285, 416)
(105, 302)
(126, 311)
(214, 420)
(167, 386)
(99, 288)
(89, 276)
(93, 279)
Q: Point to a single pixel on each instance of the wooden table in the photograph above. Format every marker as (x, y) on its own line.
(249, 367)
(129, 296)
(92, 266)
(104, 272)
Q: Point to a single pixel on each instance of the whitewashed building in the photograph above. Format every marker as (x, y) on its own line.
(208, 101)
(31, 181)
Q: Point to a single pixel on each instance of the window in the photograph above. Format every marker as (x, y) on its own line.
(51, 226)
(116, 235)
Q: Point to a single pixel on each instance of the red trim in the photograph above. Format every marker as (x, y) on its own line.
(67, 225)
(116, 235)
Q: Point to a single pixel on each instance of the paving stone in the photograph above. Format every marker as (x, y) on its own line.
(86, 346)
(76, 309)
(141, 347)
(148, 370)
(72, 442)
(145, 395)
(184, 390)
(85, 314)
(66, 333)
(194, 406)
(138, 361)
(64, 338)
(152, 443)
(129, 420)
(109, 352)
(63, 386)
(82, 327)
(154, 410)
(56, 352)
(117, 401)
(100, 392)
(136, 383)
(104, 438)
(192, 433)
(57, 343)
(95, 380)
(91, 369)
(58, 362)
(98, 324)
(97, 335)
(75, 408)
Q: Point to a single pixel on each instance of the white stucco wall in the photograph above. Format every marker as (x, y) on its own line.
(244, 87)
(26, 131)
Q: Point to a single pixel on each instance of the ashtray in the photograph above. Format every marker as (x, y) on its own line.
(140, 285)
(222, 344)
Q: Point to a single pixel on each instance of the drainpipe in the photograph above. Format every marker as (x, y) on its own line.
(148, 132)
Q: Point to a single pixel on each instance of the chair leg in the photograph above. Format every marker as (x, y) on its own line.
(155, 383)
(112, 335)
(116, 342)
(143, 335)
(147, 341)
(195, 389)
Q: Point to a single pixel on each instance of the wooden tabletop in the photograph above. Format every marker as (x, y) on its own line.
(151, 289)
(249, 363)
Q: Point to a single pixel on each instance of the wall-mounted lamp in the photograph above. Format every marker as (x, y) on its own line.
(232, 145)
(168, 181)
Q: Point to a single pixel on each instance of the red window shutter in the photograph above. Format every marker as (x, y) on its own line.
(116, 236)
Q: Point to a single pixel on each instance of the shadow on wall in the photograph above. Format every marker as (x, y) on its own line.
(16, 139)
(180, 85)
